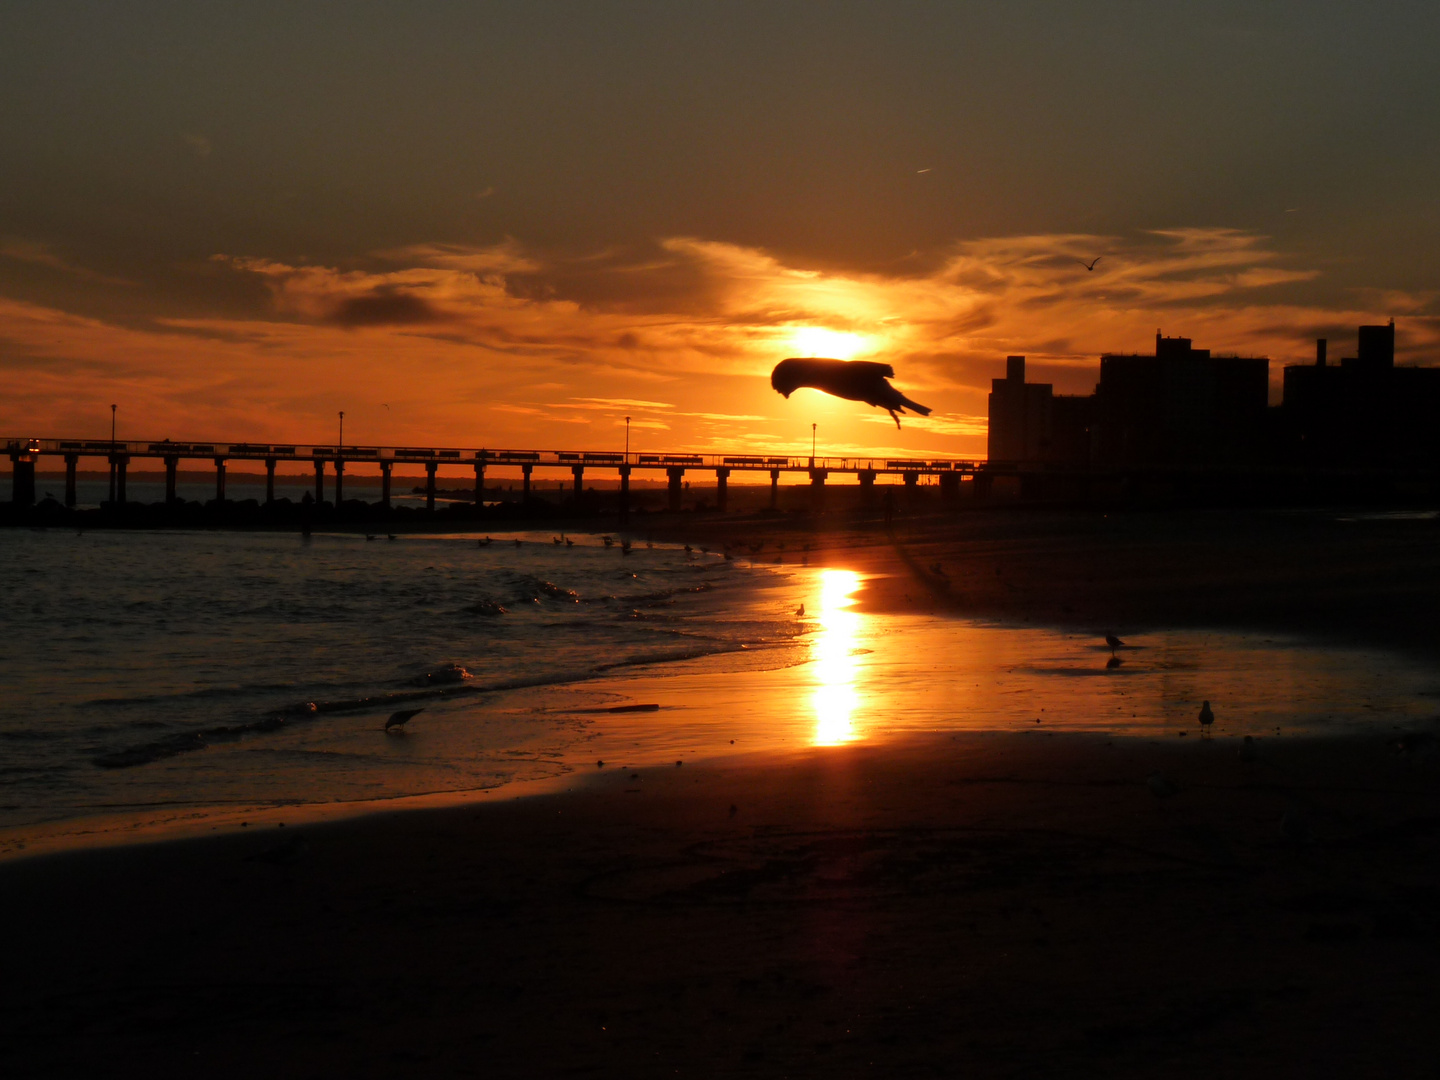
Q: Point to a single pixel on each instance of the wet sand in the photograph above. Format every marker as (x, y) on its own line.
(1354, 577)
(997, 904)
(988, 904)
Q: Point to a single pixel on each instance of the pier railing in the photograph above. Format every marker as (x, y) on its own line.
(26, 453)
(483, 456)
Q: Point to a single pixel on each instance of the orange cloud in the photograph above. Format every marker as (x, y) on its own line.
(501, 346)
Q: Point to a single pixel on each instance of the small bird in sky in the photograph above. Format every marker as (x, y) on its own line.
(398, 720)
(1091, 264)
(1206, 716)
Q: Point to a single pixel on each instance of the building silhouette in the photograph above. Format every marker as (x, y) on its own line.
(1178, 407)
(1363, 412)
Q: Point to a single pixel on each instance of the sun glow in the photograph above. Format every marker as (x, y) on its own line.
(820, 341)
(836, 697)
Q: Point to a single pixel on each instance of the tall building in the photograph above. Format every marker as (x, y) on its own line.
(1180, 407)
(1363, 412)
(1019, 416)
(1031, 424)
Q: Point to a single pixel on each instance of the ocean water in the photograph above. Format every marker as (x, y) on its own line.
(169, 678)
(209, 669)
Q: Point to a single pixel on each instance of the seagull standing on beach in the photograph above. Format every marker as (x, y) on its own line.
(398, 720)
(1206, 717)
(1114, 643)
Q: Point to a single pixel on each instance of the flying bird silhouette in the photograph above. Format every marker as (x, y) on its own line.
(854, 380)
(1091, 264)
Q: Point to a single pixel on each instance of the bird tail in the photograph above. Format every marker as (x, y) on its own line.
(914, 406)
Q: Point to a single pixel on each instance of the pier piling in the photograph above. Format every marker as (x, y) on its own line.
(675, 473)
(624, 494)
(479, 483)
(269, 481)
(867, 486)
(172, 476)
(817, 488)
(578, 471)
(339, 482)
(117, 472)
(385, 467)
(220, 480)
(430, 467)
(319, 482)
(72, 462)
(774, 489)
(22, 479)
(722, 485)
(525, 471)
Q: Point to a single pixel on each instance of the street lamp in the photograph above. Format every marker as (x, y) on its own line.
(627, 440)
(112, 427)
(342, 429)
(812, 443)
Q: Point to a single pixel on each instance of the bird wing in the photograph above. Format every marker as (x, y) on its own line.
(402, 716)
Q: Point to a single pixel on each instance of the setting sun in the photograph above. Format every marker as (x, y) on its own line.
(820, 341)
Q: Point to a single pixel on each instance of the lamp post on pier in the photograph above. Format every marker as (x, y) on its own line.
(812, 443)
(341, 444)
(627, 440)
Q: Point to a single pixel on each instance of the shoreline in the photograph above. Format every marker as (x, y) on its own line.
(896, 583)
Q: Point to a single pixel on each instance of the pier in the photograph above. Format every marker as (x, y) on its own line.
(26, 454)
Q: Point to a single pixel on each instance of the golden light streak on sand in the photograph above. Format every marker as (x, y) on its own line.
(836, 696)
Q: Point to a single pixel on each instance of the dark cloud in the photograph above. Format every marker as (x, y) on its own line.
(385, 307)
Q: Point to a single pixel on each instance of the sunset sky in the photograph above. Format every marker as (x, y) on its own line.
(514, 224)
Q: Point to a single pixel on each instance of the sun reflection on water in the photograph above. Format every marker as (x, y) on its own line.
(836, 697)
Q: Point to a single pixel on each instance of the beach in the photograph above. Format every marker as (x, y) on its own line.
(1005, 902)
(998, 905)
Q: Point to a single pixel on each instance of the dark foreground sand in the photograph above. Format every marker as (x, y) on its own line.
(1007, 905)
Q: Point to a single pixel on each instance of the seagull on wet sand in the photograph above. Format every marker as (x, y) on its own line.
(1206, 717)
(398, 720)
(1113, 641)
